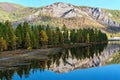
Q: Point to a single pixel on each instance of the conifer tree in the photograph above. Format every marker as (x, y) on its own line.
(10, 34)
(88, 38)
(72, 35)
(55, 38)
(14, 43)
(43, 37)
(61, 38)
(49, 34)
(37, 34)
(19, 32)
(3, 44)
(27, 41)
(66, 35)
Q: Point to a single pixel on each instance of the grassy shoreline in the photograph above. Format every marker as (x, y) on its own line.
(46, 51)
(24, 52)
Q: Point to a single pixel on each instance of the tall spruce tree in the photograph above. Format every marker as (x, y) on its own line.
(27, 41)
(19, 32)
(49, 34)
(10, 34)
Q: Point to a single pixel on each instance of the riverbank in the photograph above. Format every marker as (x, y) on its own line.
(24, 52)
(43, 52)
(21, 57)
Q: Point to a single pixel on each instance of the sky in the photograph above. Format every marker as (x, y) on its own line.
(109, 4)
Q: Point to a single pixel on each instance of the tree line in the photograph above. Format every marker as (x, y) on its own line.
(29, 37)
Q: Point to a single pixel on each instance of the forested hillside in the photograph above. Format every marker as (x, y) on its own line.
(29, 37)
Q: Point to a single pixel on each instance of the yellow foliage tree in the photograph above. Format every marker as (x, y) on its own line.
(43, 37)
(88, 38)
(3, 44)
(14, 38)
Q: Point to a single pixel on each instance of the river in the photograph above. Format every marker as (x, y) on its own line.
(79, 63)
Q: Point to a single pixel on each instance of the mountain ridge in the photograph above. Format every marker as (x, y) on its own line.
(60, 13)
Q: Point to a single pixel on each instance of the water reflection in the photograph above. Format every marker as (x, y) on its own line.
(74, 58)
(64, 61)
(111, 72)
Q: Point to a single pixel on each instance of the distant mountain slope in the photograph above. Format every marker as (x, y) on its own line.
(61, 13)
(14, 12)
(6, 9)
(114, 14)
(9, 7)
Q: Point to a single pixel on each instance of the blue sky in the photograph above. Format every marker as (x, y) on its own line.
(111, 4)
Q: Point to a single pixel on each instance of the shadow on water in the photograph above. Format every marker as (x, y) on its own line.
(64, 61)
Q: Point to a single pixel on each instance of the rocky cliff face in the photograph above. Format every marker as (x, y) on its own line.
(100, 16)
(63, 10)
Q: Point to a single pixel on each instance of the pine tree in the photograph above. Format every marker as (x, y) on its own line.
(61, 38)
(43, 37)
(26, 28)
(77, 38)
(10, 34)
(66, 37)
(3, 44)
(19, 32)
(55, 38)
(88, 38)
(36, 34)
(28, 41)
(49, 34)
(14, 43)
(72, 35)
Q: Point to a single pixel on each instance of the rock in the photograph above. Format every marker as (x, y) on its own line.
(100, 16)
(60, 9)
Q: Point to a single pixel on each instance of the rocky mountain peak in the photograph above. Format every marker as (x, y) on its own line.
(63, 4)
(60, 9)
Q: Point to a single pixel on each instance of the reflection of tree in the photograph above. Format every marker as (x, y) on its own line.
(77, 53)
(6, 75)
(31, 65)
(24, 69)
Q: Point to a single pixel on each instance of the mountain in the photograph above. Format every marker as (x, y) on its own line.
(64, 10)
(58, 14)
(13, 12)
(9, 7)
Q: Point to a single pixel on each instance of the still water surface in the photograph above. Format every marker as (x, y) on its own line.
(111, 72)
(81, 63)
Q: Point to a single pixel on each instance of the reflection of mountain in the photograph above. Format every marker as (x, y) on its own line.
(74, 58)
(83, 59)
(64, 61)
